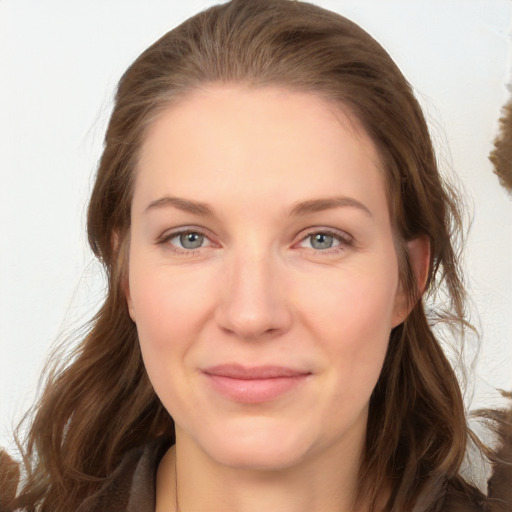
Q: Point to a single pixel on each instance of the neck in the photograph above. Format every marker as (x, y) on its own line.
(190, 481)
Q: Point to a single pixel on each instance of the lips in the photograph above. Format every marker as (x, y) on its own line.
(256, 384)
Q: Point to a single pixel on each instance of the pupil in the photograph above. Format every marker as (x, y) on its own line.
(322, 241)
(191, 240)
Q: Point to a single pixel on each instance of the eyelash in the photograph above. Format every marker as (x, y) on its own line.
(344, 241)
(167, 237)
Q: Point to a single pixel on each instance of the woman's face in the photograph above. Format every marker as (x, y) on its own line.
(263, 278)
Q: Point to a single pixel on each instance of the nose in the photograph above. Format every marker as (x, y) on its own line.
(253, 303)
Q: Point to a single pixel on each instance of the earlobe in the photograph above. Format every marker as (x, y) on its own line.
(418, 251)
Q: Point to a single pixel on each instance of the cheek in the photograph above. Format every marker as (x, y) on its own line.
(362, 338)
(357, 301)
(168, 308)
(352, 317)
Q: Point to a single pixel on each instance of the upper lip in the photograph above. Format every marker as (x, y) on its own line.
(237, 371)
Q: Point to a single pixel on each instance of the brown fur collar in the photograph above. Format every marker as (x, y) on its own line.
(500, 483)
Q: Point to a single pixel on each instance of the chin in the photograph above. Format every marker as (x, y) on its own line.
(258, 444)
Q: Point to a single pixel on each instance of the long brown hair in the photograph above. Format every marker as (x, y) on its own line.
(100, 403)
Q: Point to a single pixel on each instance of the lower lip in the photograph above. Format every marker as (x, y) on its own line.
(254, 391)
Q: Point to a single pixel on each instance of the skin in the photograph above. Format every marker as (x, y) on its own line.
(260, 290)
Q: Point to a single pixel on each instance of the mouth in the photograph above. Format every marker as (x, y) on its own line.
(256, 384)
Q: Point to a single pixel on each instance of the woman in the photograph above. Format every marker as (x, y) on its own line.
(269, 213)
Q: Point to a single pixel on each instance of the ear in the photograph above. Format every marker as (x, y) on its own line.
(121, 250)
(419, 256)
(128, 297)
(418, 250)
(127, 293)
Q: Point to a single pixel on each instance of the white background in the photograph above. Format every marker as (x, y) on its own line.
(59, 63)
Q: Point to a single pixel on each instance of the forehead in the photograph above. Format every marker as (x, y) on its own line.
(225, 140)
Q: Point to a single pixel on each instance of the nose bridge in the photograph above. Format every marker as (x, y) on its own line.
(253, 303)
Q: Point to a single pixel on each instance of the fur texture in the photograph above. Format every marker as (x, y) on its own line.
(500, 483)
(501, 156)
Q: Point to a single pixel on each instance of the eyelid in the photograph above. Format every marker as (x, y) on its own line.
(343, 237)
(168, 235)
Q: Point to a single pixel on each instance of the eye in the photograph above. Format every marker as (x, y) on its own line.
(190, 240)
(322, 241)
(187, 240)
(325, 240)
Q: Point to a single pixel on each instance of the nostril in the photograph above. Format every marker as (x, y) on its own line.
(253, 320)
(252, 303)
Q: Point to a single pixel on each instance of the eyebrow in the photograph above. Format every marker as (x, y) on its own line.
(302, 208)
(329, 203)
(186, 205)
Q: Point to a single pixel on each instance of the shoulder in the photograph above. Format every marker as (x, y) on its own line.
(131, 487)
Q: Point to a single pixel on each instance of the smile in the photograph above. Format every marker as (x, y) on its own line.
(253, 385)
